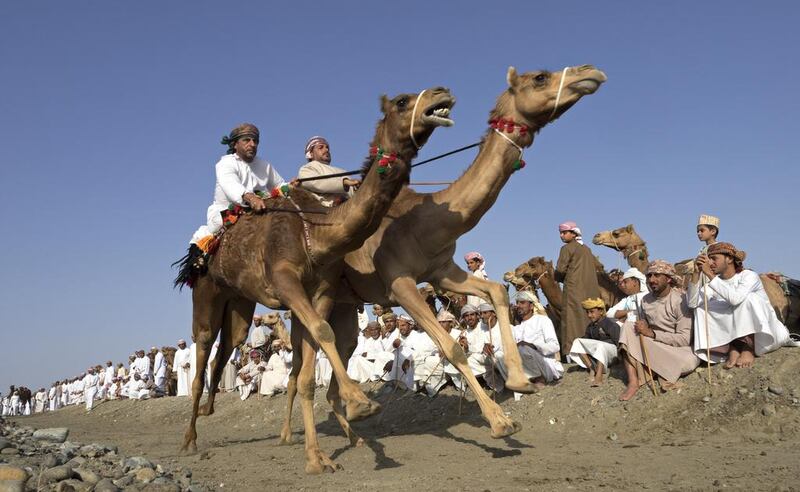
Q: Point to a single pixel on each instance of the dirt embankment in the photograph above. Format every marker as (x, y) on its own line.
(741, 435)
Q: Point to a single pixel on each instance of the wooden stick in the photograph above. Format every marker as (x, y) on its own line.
(640, 317)
(708, 340)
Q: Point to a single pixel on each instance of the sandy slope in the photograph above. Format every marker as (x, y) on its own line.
(574, 438)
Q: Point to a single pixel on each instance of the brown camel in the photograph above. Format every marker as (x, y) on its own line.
(627, 241)
(538, 272)
(293, 261)
(417, 238)
(449, 300)
(278, 327)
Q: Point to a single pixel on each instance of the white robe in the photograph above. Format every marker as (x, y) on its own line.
(323, 370)
(428, 364)
(253, 370)
(274, 379)
(361, 368)
(141, 366)
(737, 307)
(90, 389)
(480, 273)
(477, 338)
(160, 371)
(538, 330)
(626, 304)
(40, 399)
(137, 390)
(227, 381)
(235, 177)
(182, 357)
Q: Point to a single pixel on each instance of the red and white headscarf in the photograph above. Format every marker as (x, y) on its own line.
(573, 227)
(315, 140)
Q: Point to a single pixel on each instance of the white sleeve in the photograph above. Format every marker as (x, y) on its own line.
(693, 294)
(550, 345)
(229, 181)
(736, 295)
(275, 179)
(617, 307)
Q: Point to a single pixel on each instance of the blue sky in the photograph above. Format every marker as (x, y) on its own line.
(111, 115)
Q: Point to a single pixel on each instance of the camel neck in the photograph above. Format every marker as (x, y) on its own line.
(477, 189)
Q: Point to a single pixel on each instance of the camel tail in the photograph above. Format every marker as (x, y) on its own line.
(187, 268)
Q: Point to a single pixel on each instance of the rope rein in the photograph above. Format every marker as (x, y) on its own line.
(413, 117)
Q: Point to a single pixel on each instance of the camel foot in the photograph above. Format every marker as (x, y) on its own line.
(361, 409)
(206, 410)
(189, 448)
(521, 385)
(318, 462)
(503, 426)
(286, 437)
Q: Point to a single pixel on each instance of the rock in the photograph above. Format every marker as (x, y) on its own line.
(124, 481)
(613, 436)
(161, 487)
(742, 391)
(56, 434)
(138, 462)
(88, 476)
(58, 473)
(76, 461)
(51, 460)
(72, 485)
(117, 474)
(105, 485)
(13, 473)
(777, 390)
(10, 451)
(159, 469)
(146, 475)
(12, 486)
(4, 443)
(768, 410)
(706, 399)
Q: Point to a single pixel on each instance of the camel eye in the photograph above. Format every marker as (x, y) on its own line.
(402, 102)
(540, 79)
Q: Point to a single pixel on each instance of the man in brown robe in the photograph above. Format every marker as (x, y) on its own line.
(576, 270)
(666, 334)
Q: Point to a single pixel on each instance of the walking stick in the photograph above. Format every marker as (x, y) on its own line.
(708, 340)
(640, 316)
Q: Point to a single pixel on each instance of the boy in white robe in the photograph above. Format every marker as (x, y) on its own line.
(473, 338)
(249, 376)
(181, 367)
(634, 286)
(741, 321)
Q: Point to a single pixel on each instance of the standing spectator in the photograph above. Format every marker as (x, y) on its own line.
(477, 265)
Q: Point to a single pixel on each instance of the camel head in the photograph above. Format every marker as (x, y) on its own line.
(270, 319)
(531, 97)
(534, 268)
(519, 282)
(618, 239)
(427, 111)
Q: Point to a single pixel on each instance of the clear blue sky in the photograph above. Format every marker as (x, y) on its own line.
(111, 115)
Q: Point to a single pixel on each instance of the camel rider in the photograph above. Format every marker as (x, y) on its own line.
(241, 178)
(330, 191)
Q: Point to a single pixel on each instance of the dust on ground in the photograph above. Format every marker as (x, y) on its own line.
(740, 435)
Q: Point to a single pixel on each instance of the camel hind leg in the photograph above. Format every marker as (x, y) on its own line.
(405, 291)
(208, 308)
(345, 324)
(291, 388)
(457, 280)
(235, 327)
(357, 405)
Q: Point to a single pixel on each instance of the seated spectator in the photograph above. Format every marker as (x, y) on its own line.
(472, 337)
(666, 327)
(597, 350)
(249, 376)
(634, 286)
(361, 366)
(400, 368)
(741, 321)
(276, 376)
(537, 343)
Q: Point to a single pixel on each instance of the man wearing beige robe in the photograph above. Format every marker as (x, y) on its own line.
(330, 191)
(666, 334)
(576, 270)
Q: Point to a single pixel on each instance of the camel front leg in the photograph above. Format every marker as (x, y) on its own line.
(457, 280)
(357, 405)
(316, 461)
(405, 292)
(235, 327)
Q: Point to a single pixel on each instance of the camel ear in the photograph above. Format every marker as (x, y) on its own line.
(385, 103)
(512, 77)
(629, 228)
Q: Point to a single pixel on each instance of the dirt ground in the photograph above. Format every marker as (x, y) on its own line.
(744, 437)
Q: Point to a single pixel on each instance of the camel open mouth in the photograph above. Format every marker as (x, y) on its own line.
(439, 113)
(586, 86)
